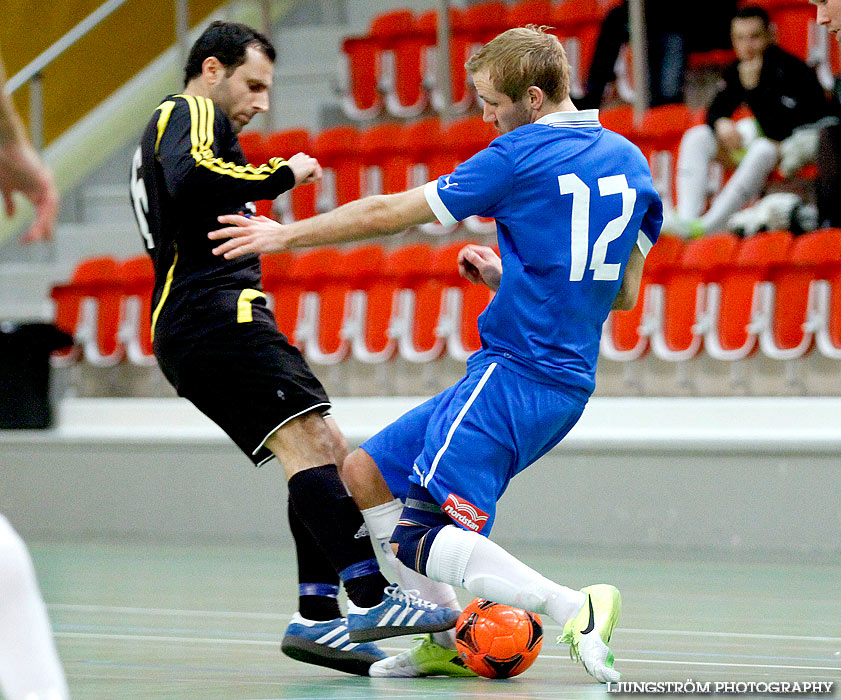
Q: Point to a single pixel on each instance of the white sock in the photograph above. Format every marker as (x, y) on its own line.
(381, 521)
(488, 571)
(29, 665)
(745, 184)
(697, 150)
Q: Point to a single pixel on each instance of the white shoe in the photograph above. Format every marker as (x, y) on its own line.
(427, 658)
(596, 656)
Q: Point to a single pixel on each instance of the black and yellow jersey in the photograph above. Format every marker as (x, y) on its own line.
(188, 170)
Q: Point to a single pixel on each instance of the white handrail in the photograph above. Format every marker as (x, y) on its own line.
(44, 59)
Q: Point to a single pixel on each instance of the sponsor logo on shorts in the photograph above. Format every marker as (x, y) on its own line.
(465, 512)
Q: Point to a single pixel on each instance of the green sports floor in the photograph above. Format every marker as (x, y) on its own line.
(165, 622)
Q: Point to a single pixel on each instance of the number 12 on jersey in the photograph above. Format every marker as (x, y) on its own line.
(580, 225)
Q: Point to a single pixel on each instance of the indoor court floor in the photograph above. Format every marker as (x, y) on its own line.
(201, 622)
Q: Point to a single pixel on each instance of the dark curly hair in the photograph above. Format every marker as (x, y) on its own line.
(227, 41)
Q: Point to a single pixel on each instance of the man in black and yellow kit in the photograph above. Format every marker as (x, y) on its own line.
(218, 344)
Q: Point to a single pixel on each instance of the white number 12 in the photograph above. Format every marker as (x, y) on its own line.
(580, 225)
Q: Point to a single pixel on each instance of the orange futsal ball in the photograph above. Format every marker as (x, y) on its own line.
(498, 641)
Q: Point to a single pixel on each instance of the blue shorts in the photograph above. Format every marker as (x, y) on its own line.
(465, 444)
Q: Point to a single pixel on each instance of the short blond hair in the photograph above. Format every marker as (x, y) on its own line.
(525, 56)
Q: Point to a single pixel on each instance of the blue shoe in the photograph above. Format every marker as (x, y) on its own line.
(327, 644)
(401, 612)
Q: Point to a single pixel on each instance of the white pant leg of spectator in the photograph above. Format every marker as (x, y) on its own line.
(697, 150)
(29, 664)
(744, 185)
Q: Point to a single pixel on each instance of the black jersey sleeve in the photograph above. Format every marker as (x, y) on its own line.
(729, 96)
(194, 150)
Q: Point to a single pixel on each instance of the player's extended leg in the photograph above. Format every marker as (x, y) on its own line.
(29, 665)
(745, 184)
(435, 654)
(427, 542)
(318, 633)
(376, 610)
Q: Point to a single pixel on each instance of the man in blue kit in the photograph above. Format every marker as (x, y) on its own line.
(576, 214)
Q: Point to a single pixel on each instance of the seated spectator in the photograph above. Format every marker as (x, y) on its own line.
(672, 31)
(783, 94)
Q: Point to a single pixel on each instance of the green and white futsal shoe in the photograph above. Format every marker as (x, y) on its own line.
(588, 633)
(426, 658)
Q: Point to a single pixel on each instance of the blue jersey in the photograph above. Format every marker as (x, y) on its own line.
(570, 200)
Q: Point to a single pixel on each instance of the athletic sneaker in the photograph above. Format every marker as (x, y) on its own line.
(400, 612)
(588, 633)
(426, 658)
(327, 644)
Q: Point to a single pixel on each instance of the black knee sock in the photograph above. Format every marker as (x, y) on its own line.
(318, 582)
(323, 505)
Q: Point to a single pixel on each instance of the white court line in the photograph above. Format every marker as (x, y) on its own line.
(727, 665)
(70, 607)
(740, 635)
(252, 642)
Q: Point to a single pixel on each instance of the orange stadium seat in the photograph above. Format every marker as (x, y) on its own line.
(658, 137)
(387, 159)
(463, 302)
(401, 55)
(253, 145)
(337, 150)
(825, 319)
(624, 335)
(791, 20)
(371, 305)
(577, 24)
(88, 308)
(418, 303)
(530, 12)
(618, 119)
(788, 308)
(283, 290)
(359, 73)
(485, 20)
(298, 203)
(137, 279)
(318, 283)
(730, 319)
(461, 92)
(675, 335)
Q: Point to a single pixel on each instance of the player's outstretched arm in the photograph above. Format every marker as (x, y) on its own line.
(22, 170)
(481, 265)
(379, 215)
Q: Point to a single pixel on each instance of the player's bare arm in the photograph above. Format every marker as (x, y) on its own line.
(481, 265)
(22, 170)
(380, 215)
(626, 298)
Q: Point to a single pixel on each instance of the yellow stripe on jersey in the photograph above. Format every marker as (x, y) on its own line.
(202, 114)
(163, 119)
(167, 284)
(244, 311)
(211, 118)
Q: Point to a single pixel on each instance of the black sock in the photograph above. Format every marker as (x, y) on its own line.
(318, 582)
(323, 505)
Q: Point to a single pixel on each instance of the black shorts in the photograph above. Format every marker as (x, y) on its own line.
(247, 378)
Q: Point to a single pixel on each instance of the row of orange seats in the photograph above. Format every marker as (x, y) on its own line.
(730, 297)
(722, 295)
(394, 156)
(368, 302)
(393, 68)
